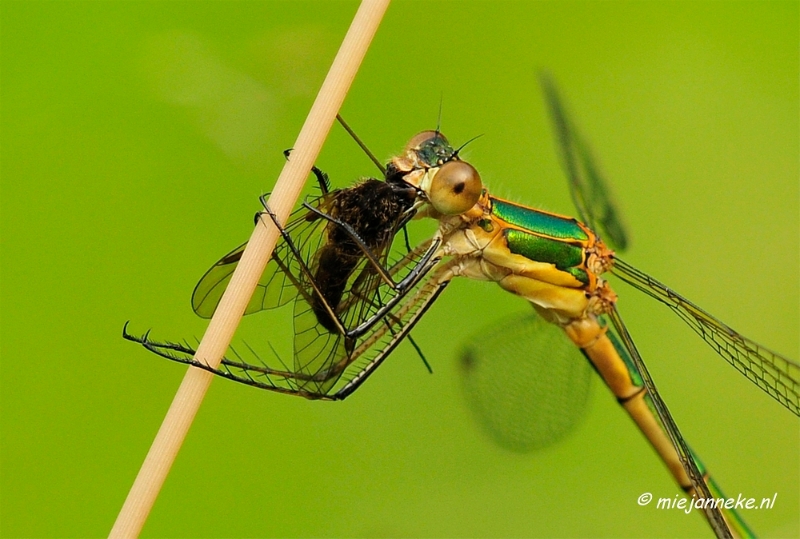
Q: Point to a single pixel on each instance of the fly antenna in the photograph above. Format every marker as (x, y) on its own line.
(455, 153)
(361, 144)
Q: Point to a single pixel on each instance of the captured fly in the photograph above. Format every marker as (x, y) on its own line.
(333, 262)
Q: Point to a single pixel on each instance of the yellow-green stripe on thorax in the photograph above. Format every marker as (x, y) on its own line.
(545, 237)
(551, 260)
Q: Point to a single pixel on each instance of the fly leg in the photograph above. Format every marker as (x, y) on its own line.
(322, 178)
(398, 324)
(367, 252)
(323, 182)
(400, 288)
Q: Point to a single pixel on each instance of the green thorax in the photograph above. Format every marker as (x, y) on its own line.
(544, 237)
(538, 222)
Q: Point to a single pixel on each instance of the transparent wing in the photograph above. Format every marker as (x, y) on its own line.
(590, 193)
(318, 349)
(624, 344)
(777, 375)
(375, 346)
(370, 311)
(327, 364)
(337, 364)
(275, 287)
(526, 383)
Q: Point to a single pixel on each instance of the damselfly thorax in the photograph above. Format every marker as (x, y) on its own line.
(553, 261)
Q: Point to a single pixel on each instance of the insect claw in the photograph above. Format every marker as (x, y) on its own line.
(263, 200)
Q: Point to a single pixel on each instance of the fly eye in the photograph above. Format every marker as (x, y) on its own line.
(417, 140)
(455, 188)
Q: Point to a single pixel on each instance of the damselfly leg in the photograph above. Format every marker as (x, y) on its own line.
(333, 261)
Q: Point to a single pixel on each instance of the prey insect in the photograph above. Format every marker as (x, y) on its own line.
(332, 262)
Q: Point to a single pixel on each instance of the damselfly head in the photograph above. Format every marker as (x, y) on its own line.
(431, 165)
(454, 188)
(431, 148)
(425, 150)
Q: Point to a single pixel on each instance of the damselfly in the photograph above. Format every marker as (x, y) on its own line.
(554, 262)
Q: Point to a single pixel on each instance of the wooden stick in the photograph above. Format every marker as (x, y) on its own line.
(231, 308)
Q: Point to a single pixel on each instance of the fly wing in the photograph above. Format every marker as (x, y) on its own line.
(275, 288)
(397, 315)
(327, 360)
(331, 365)
(589, 190)
(374, 316)
(526, 383)
(777, 375)
(332, 359)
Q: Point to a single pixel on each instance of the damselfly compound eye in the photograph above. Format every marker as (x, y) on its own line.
(455, 188)
(419, 139)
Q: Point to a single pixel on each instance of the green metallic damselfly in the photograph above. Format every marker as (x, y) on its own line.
(554, 261)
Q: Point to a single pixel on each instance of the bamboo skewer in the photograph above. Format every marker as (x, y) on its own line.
(231, 308)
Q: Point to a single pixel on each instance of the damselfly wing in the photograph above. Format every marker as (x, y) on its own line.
(545, 380)
(525, 383)
(333, 261)
(555, 262)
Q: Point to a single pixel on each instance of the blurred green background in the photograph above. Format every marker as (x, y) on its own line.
(137, 136)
